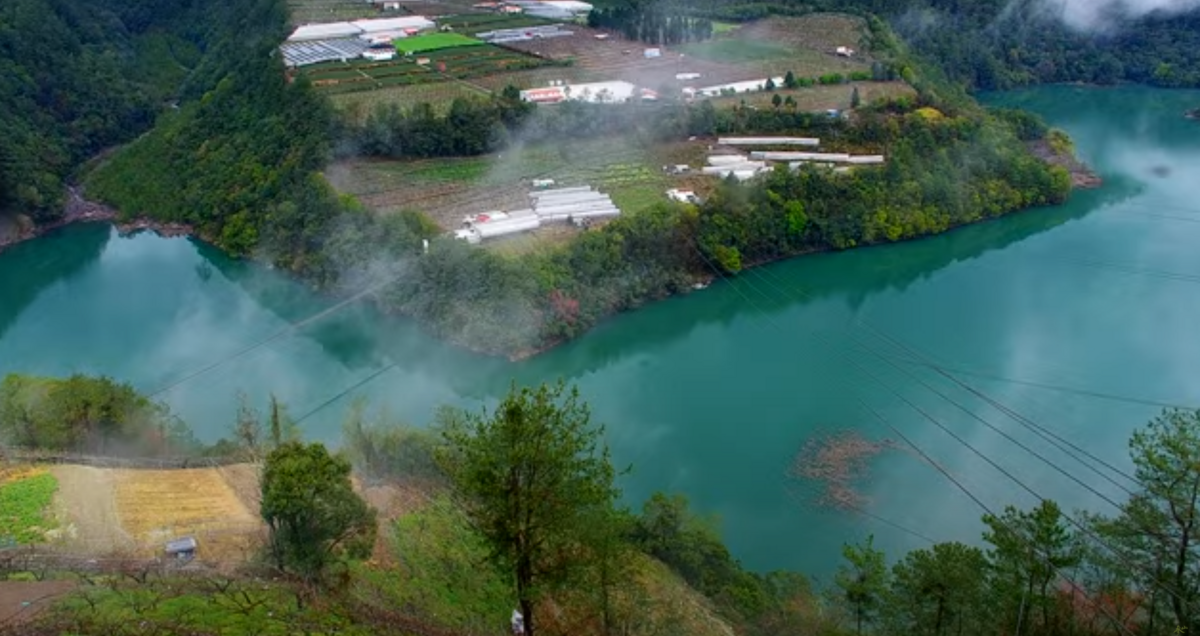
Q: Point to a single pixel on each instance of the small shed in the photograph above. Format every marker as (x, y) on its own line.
(183, 549)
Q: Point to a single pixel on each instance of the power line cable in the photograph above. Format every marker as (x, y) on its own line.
(1101, 395)
(344, 392)
(925, 456)
(1082, 528)
(1049, 436)
(291, 328)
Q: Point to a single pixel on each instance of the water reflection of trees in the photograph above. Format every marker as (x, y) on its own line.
(362, 339)
(853, 276)
(30, 268)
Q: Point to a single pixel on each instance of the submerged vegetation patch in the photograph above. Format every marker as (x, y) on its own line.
(836, 463)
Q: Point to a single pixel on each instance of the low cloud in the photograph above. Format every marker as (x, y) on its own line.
(1105, 15)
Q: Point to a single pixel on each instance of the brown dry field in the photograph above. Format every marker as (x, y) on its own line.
(619, 59)
(813, 40)
(133, 511)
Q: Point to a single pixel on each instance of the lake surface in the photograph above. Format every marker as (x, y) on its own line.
(712, 395)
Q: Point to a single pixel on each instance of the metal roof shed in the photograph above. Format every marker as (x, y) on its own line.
(394, 24)
(324, 31)
(184, 548)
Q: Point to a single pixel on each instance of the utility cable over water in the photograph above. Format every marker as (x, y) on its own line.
(925, 456)
(1081, 527)
(291, 328)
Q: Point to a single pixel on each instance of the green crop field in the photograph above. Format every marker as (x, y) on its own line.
(24, 507)
(434, 42)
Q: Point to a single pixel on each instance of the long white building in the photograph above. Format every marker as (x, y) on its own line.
(359, 28)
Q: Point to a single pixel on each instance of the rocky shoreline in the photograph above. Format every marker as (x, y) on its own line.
(78, 209)
(1082, 176)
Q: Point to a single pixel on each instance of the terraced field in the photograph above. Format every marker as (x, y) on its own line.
(443, 65)
(440, 94)
(448, 189)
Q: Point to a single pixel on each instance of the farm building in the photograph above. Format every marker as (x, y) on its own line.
(328, 31)
(554, 9)
(358, 28)
(682, 196)
(598, 92)
(408, 24)
(575, 204)
(736, 87)
(523, 34)
(823, 157)
(768, 141)
(182, 549)
(316, 51)
(379, 55)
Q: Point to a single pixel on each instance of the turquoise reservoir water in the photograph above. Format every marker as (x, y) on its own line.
(1081, 318)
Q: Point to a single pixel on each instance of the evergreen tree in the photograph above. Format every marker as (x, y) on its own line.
(534, 475)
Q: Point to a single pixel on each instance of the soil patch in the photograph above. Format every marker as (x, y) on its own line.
(20, 601)
(1082, 177)
(85, 502)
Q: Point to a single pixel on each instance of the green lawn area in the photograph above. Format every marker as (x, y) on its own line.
(734, 51)
(724, 27)
(24, 504)
(433, 42)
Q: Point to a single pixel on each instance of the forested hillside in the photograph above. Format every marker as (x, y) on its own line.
(998, 44)
(992, 44)
(76, 77)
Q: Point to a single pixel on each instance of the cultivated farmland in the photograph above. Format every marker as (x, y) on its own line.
(820, 97)
(309, 11)
(440, 65)
(449, 189)
(433, 42)
(440, 94)
(25, 496)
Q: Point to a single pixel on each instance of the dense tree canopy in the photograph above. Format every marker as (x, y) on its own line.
(313, 514)
(77, 77)
(992, 45)
(88, 414)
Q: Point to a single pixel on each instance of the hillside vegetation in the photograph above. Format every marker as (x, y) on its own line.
(253, 189)
(990, 45)
(462, 530)
(78, 77)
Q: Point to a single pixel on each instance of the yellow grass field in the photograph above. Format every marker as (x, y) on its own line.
(155, 506)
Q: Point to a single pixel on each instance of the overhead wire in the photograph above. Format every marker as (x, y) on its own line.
(1055, 440)
(922, 453)
(289, 329)
(1100, 395)
(341, 394)
(926, 415)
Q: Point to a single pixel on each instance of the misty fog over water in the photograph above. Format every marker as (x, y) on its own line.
(1081, 318)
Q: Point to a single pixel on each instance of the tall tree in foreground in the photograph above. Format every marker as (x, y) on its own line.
(313, 514)
(864, 583)
(1157, 532)
(937, 591)
(1029, 550)
(532, 474)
